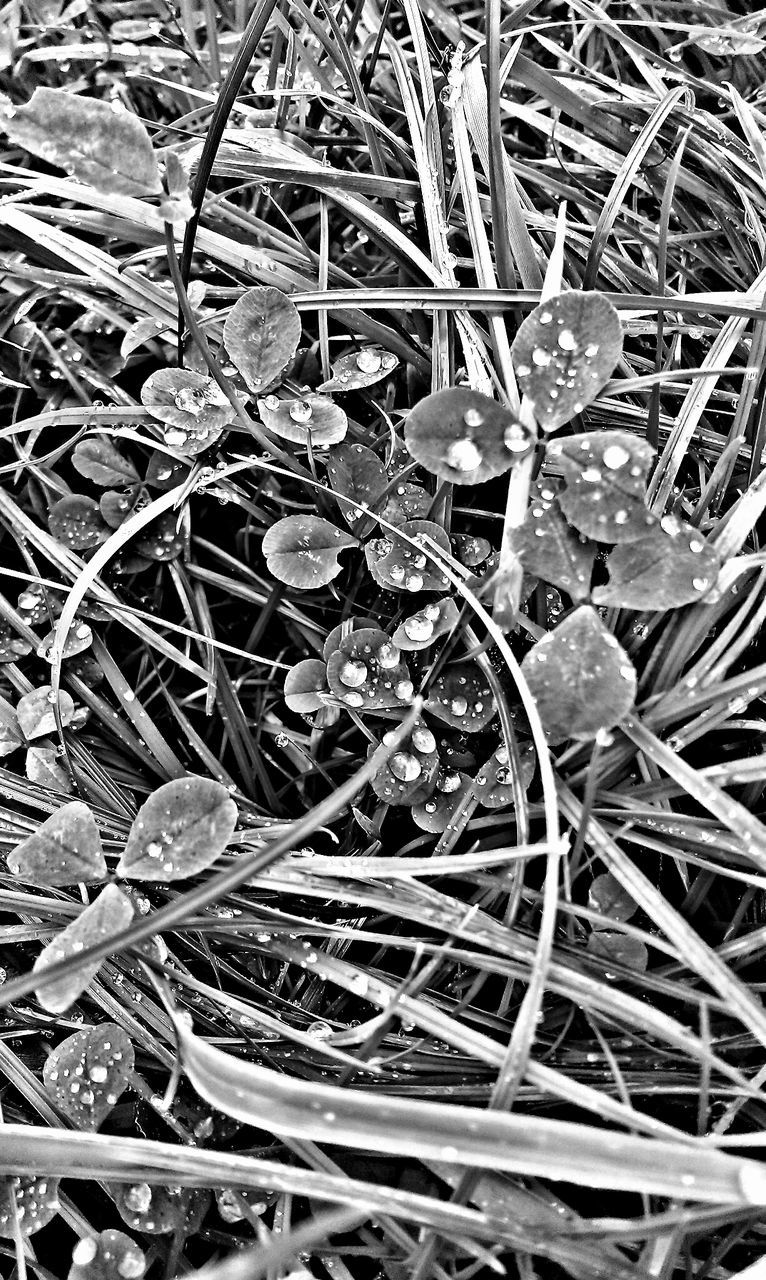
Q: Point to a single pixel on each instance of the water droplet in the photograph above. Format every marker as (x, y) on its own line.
(388, 656)
(175, 438)
(353, 674)
(138, 1197)
(84, 1251)
(190, 400)
(566, 340)
(404, 690)
(404, 766)
(541, 357)
(473, 417)
(368, 361)
(459, 705)
(354, 700)
(414, 582)
(98, 1073)
(615, 456)
(700, 584)
(463, 455)
(423, 740)
(591, 350)
(301, 411)
(418, 628)
(515, 438)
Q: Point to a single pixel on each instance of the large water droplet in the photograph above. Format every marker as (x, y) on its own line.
(404, 690)
(423, 740)
(404, 766)
(138, 1197)
(418, 628)
(515, 438)
(541, 357)
(388, 656)
(615, 456)
(190, 400)
(459, 705)
(567, 341)
(463, 455)
(473, 417)
(353, 674)
(301, 411)
(368, 361)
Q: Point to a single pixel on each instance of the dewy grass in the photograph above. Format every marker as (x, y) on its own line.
(381, 590)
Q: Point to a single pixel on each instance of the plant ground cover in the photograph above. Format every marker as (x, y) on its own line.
(380, 605)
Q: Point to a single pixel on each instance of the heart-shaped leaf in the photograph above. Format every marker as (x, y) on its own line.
(42, 767)
(36, 1204)
(582, 679)
(78, 639)
(164, 472)
(461, 697)
(435, 813)
(305, 683)
(409, 775)
(314, 417)
(671, 566)
(565, 352)
(180, 830)
(367, 672)
(407, 502)
(116, 507)
(261, 334)
(111, 1255)
(360, 369)
(160, 1210)
(605, 484)
(549, 547)
(303, 551)
(465, 437)
(76, 522)
(494, 782)
(97, 142)
(86, 1073)
(97, 459)
(65, 850)
(355, 472)
(421, 629)
(607, 896)
(398, 565)
(109, 914)
(35, 712)
(192, 407)
(618, 948)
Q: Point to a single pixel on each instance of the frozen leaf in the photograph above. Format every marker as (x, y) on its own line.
(86, 1073)
(494, 783)
(36, 1204)
(313, 417)
(261, 334)
(435, 813)
(343, 629)
(726, 42)
(462, 698)
(65, 849)
(366, 672)
(79, 638)
(407, 502)
(421, 629)
(76, 522)
(35, 712)
(607, 896)
(303, 551)
(108, 915)
(565, 352)
(550, 548)
(305, 683)
(97, 142)
(180, 830)
(42, 767)
(465, 437)
(618, 948)
(581, 677)
(192, 408)
(360, 369)
(409, 775)
(605, 484)
(98, 460)
(164, 472)
(670, 566)
(398, 565)
(355, 472)
(160, 1210)
(111, 1255)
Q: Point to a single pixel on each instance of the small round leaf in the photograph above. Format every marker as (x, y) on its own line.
(65, 849)
(313, 417)
(605, 484)
(36, 1204)
(303, 551)
(87, 1072)
(261, 334)
(192, 407)
(360, 369)
(35, 712)
(399, 566)
(465, 437)
(97, 459)
(355, 472)
(551, 549)
(304, 685)
(671, 566)
(111, 1255)
(367, 673)
(76, 522)
(180, 830)
(461, 697)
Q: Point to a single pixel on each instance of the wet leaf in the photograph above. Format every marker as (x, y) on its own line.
(565, 352)
(494, 782)
(79, 638)
(261, 334)
(76, 522)
(35, 712)
(367, 672)
(86, 1073)
(116, 507)
(465, 437)
(97, 142)
(11, 737)
(164, 472)
(111, 1255)
(551, 549)
(619, 948)
(192, 408)
(343, 629)
(407, 502)
(581, 677)
(435, 813)
(409, 775)
(36, 1204)
(470, 551)
(726, 42)
(160, 1210)
(303, 551)
(65, 849)
(304, 685)
(37, 605)
(42, 767)
(162, 540)
(355, 472)
(671, 566)
(108, 915)
(461, 697)
(12, 646)
(360, 369)
(421, 629)
(180, 830)
(399, 566)
(97, 459)
(607, 896)
(317, 417)
(605, 484)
